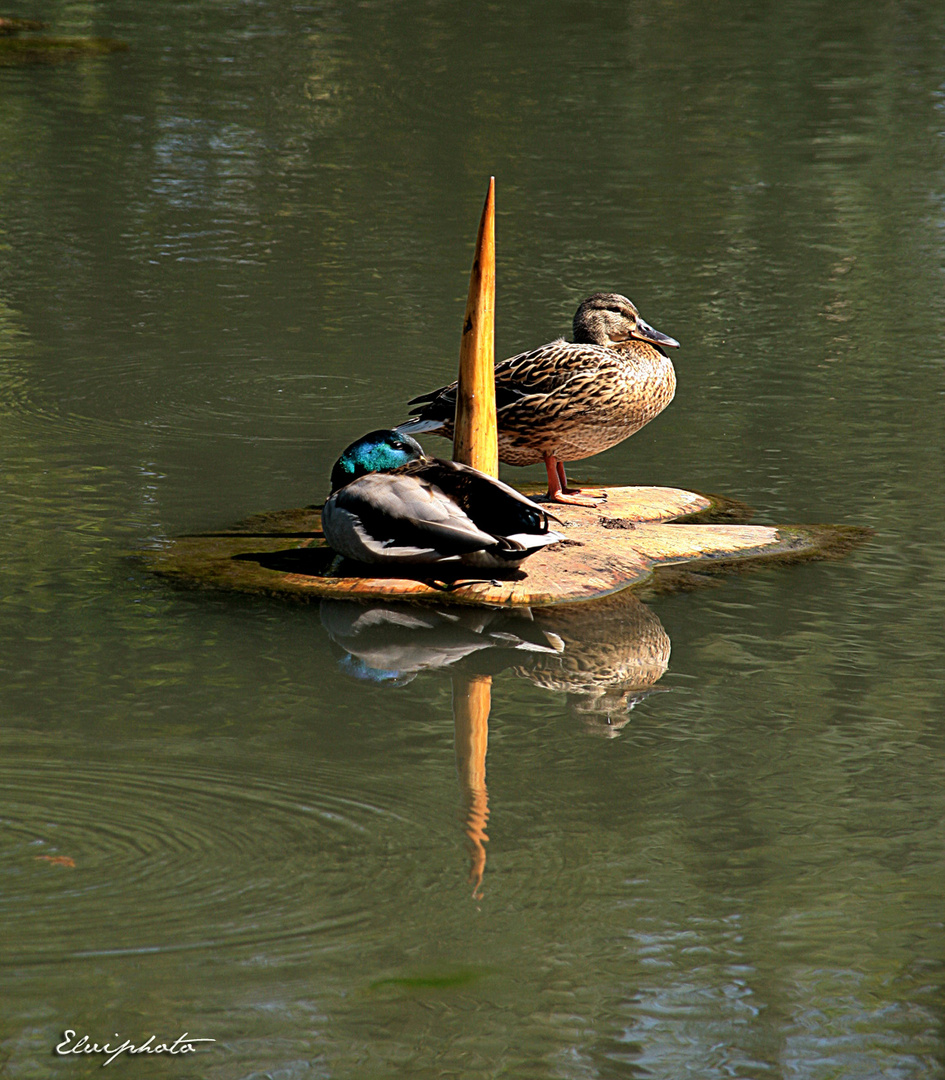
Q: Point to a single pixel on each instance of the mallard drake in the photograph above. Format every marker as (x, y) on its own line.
(390, 503)
(569, 400)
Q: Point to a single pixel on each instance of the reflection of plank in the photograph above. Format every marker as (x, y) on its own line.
(608, 548)
(472, 701)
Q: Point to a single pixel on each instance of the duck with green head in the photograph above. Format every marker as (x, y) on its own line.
(392, 504)
(568, 400)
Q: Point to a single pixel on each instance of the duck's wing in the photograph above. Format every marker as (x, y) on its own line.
(547, 369)
(544, 370)
(491, 505)
(566, 382)
(401, 516)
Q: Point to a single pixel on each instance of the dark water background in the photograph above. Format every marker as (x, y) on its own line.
(232, 249)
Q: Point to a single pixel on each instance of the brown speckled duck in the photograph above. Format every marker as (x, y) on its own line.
(569, 400)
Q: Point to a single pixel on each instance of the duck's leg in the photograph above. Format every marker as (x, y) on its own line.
(558, 485)
(562, 475)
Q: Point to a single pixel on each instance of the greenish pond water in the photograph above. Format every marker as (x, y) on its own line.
(230, 250)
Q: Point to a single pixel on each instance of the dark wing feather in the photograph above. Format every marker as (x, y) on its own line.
(441, 404)
(495, 507)
(400, 509)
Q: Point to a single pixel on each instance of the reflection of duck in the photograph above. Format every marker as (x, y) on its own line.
(391, 504)
(607, 656)
(393, 643)
(569, 400)
(615, 651)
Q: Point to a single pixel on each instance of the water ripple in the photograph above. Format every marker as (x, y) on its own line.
(114, 858)
(269, 405)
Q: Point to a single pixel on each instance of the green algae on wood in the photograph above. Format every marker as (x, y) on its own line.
(18, 26)
(608, 548)
(53, 50)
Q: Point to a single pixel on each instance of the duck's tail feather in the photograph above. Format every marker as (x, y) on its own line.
(519, 546)
(417, 425)
(530, 541)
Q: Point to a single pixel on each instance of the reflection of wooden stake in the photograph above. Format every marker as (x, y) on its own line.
(475, 440)
(472, 699)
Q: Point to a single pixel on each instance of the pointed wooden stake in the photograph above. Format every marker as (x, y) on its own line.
(475, 437)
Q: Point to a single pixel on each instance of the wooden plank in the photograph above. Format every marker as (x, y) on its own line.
(608, 548)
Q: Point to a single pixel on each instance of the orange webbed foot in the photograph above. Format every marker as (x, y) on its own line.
(576, 498)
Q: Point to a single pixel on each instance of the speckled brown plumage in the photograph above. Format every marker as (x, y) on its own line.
(566, 401)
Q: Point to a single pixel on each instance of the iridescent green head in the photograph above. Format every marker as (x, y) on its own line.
(378, 451)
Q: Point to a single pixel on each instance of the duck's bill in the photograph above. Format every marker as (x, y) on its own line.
(645, 332)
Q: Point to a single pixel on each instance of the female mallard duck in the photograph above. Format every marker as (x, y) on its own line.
(568, 400)
(392, 504)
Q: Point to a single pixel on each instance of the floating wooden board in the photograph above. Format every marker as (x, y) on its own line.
(614, 546)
